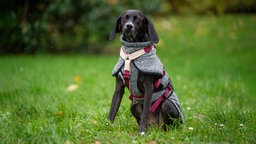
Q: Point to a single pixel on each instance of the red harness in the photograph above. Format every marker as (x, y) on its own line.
(155, 105)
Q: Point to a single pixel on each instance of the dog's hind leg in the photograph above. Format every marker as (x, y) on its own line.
(170, 113)
(136, 110)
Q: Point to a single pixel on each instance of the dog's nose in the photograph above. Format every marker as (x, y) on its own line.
(129, 26)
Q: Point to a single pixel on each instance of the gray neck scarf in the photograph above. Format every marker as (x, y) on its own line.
(131, 47)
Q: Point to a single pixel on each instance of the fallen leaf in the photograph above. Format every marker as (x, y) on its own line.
(151, 142)
(72, 87)
(96, 141)
(77, 79)
(67, 142)
(58, 114)
(93, 121)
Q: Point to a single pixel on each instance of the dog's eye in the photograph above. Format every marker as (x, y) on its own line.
(137, 20)
(125, 18)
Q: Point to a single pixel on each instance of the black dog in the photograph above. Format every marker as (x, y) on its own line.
(139, 68)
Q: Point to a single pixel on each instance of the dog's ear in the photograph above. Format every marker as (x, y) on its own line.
(116, 29)
(151, 31)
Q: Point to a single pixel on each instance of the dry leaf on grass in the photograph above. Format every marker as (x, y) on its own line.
(67, 142)
(96, 141)
(151, 142)
(77, 79)
(58, 114)
(72, 87)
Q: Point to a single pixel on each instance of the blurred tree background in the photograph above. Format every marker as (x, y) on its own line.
(61, 26)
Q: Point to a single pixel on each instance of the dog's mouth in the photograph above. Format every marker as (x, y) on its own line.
(129, 35)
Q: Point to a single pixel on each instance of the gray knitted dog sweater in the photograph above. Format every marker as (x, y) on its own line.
(148, 63)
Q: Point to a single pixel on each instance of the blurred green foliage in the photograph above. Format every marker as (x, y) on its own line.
(213, 6)
(60, 26)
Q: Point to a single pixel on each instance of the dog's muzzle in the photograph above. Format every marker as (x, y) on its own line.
(128, 31)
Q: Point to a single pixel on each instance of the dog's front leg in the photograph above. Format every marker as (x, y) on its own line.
(148, 87)
(116, 100)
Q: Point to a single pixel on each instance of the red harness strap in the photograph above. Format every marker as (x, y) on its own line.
(127, 78)
(136, 97)
(155, 105)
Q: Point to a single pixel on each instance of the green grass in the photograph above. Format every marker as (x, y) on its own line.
(211, 61)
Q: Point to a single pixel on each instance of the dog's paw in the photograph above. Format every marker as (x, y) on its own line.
(142, 133)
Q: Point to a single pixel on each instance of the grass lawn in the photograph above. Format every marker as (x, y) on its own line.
(66, 99)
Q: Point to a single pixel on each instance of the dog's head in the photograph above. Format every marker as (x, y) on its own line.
(135, 27)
